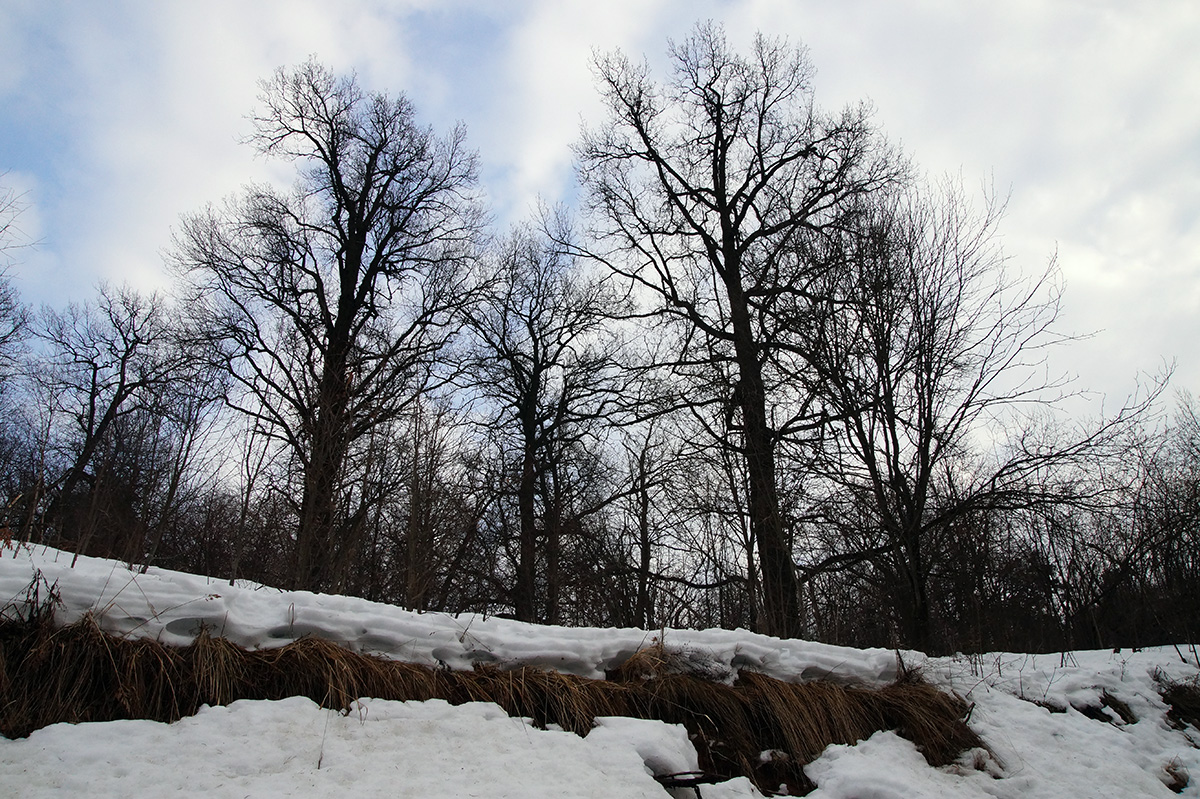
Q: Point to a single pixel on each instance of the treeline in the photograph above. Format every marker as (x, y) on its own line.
(765, 376)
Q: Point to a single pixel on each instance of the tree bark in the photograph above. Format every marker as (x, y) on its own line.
(781, 607)
(524, 589)
(326, 455)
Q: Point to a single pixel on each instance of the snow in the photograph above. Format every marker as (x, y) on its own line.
(171, 607)
(294, 748)
(1027, 708)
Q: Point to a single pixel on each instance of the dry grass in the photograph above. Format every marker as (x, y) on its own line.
(1176, 776)
(79, 673)
(1183, 700)
(919, 712)
(1118, 706)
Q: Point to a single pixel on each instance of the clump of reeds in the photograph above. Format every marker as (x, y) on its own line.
(921, 713)
(764, 728)
(1182, 698)
(768, 729)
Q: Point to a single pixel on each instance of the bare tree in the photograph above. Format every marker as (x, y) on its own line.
(545, 366)
(329, 305)
(702, 192)
(646, 509)
(102, 363)
(1169, 511)
(14, 315)
(932, 362)
(21, 489)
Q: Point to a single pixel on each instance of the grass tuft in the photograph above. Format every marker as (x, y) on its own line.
(1182, 698)
(1176, 776)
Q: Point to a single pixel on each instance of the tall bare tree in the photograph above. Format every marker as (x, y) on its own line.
(701, 192)
(329, 304)
(16, 448)
(545, 364)
(931, 348)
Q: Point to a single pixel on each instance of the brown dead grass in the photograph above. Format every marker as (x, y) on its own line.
(79, 673)
(1183, 700)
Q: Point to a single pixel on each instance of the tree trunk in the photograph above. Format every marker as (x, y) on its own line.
(523, 591)
(781, 606)
(418, 543)
(915, 592)
(552, 522)
(644, 610)
(318, 517)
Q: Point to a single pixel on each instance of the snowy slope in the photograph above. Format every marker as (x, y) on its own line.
(171, 606)
(1027, 708)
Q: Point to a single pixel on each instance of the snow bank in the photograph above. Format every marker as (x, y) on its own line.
(171, 607)
(1043, 717)
(1083, 724)
(294, 748)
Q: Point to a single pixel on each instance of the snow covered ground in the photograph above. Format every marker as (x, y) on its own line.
(1030, 709)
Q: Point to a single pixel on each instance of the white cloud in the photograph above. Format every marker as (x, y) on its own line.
(157, 97)
(550, 89)
(1086, 110)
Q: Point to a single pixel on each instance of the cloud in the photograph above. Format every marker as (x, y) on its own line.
(127, 114)
(549, 88)
(1084, 113)
(155, 98)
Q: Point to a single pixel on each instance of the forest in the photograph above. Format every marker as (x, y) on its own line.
(764, 373)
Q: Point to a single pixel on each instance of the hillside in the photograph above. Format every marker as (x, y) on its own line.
(1072, 724)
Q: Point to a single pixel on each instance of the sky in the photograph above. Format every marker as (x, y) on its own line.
(118, 118)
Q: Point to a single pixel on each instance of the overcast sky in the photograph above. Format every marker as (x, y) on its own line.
(118, 117)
